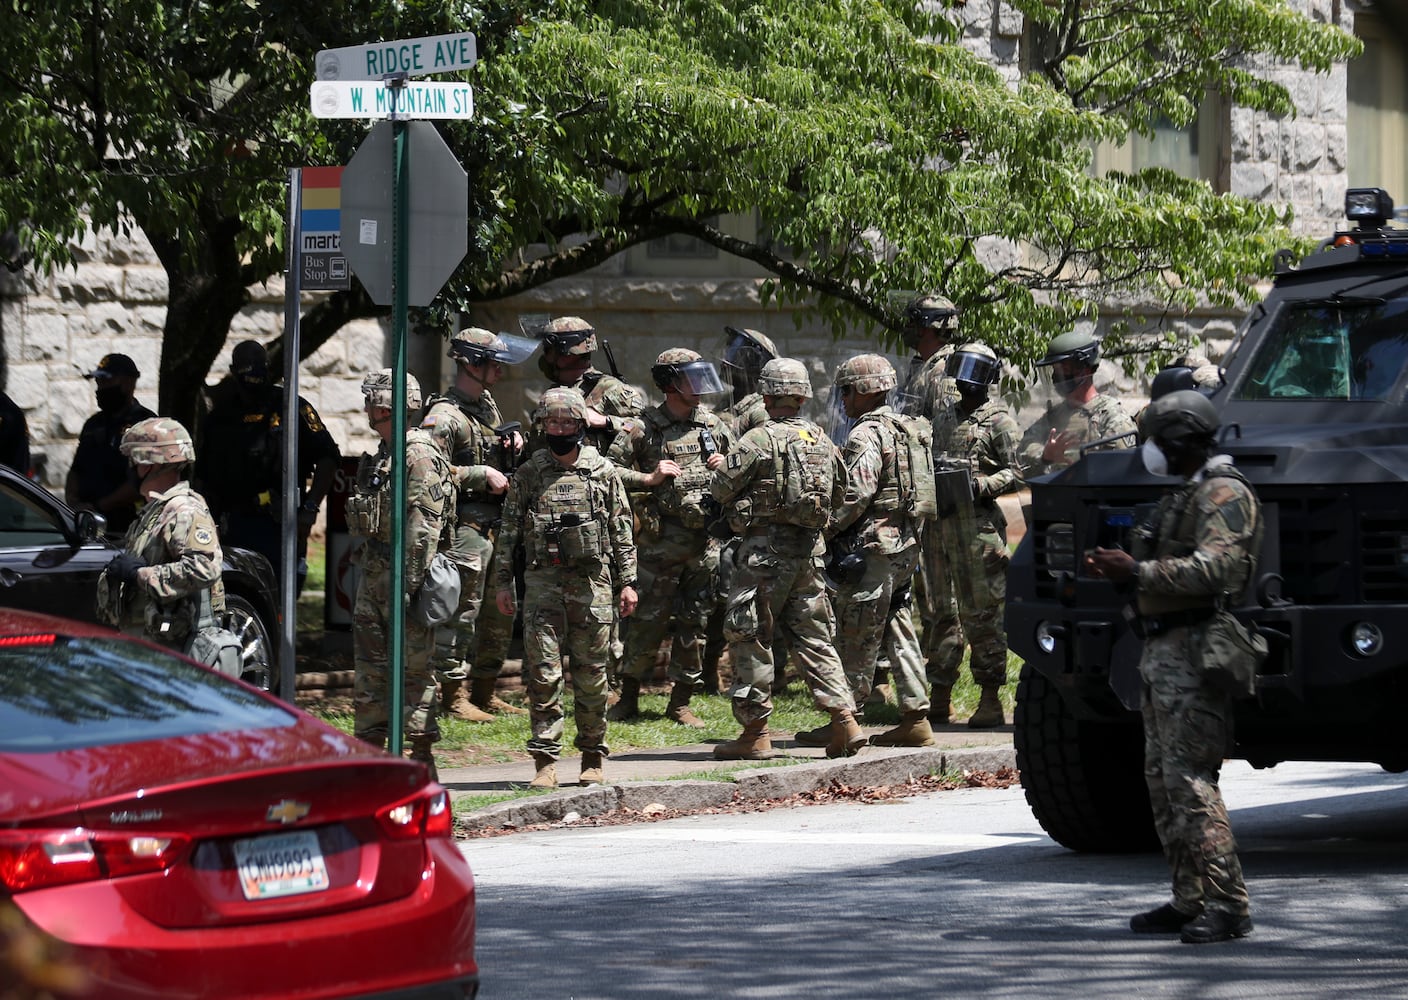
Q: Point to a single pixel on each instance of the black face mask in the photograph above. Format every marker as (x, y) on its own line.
(110, 398)
(563, 444)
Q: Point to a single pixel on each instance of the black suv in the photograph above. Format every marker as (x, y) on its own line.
(50, 558)
(1313, 410)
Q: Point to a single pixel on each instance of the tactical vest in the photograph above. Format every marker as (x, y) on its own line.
(567, 521)
(909, 487)
(802, 464)
(1171, 535)
(682, 496)
(369, 506)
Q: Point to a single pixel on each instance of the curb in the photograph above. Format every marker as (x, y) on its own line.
(875, 768)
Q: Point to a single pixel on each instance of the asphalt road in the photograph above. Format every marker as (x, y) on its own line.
(955, 894)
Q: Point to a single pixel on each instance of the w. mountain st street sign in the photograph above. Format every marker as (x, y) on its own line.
(375, 99)
(411, 56)
(437, 224)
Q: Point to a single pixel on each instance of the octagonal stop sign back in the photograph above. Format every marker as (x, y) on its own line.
(437, 223)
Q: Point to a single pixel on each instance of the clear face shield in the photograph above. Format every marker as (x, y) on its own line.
(743, 362)
(516, 349)
(833, 417)
(699, 378)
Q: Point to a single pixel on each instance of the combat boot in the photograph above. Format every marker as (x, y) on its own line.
(420, 750)
(546, 774)
(678, 709)
(377, 740)
(989, 713)
(1212, 926)
(846, 737)
(754, 743)
(482, 696)
(455, 701)
(913, 731)
(818, 737)
(628, 706)
(591, 768)
(940, 708)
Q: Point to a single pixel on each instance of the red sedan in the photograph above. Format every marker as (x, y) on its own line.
(184, 835)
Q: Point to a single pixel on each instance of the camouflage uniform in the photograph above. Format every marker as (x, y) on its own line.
(575, 525)
(967, 547)
(878, 519)
(777, 584)
(1100, 418)
(175, 537)
(677, 559)
(430, 499)
(474, 643)
(1201, 545)
(927, 389)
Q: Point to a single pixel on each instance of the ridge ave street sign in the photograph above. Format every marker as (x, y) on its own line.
(411, 56)
(437, 227)
(374, 99)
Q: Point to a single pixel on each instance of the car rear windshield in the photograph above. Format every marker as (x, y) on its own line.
(61, 693)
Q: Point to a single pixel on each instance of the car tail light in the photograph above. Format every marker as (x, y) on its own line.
(33, 859)
(425, 814)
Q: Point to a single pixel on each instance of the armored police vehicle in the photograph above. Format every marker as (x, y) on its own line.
(1313, 411)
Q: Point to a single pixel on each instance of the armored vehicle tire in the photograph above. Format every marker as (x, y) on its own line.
(1084, 780)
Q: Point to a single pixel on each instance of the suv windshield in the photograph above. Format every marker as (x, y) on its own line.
(1331, 350)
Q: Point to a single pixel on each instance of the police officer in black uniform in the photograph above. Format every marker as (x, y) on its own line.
(240, 465)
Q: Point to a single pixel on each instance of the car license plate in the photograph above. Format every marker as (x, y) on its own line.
(281, 864)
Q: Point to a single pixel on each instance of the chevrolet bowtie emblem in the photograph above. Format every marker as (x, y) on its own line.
(287, 811)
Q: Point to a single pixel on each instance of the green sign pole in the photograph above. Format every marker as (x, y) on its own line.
(399, 309)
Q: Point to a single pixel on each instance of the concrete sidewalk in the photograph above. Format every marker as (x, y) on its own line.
(640, 779)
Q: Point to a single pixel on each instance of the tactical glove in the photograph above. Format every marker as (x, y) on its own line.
(124, 566)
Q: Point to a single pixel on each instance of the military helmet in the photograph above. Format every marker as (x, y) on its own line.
(570, 335)
(866, 373)
(1181, 416)
(681, 368)
(1073, 345)
(747, 351)
(933, 312)
(475, 346)
(379, 387)
(561, 403)
(785, 377)
(974, 366)
(157, 441)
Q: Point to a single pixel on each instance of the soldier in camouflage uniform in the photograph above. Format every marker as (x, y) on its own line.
(931, 327)
(568, 343)
(975, 440)
(1196, 554)
(780, 484)
(483, 452)
(930, 330)
(567, 506)
(1082, 416)
(667, 459)
(430, 507)
(171, 554)
(874, 536)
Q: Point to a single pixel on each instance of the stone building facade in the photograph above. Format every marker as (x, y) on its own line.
(54, 327)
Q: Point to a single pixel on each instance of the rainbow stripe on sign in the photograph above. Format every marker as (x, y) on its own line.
(321, 214)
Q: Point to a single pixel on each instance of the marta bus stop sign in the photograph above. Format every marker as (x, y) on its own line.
(437, 224)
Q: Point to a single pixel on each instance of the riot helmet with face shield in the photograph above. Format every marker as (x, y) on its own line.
(745, 354)
(974, 367)
(685, 371)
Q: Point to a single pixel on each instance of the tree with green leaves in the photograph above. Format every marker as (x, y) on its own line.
(879, 153)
